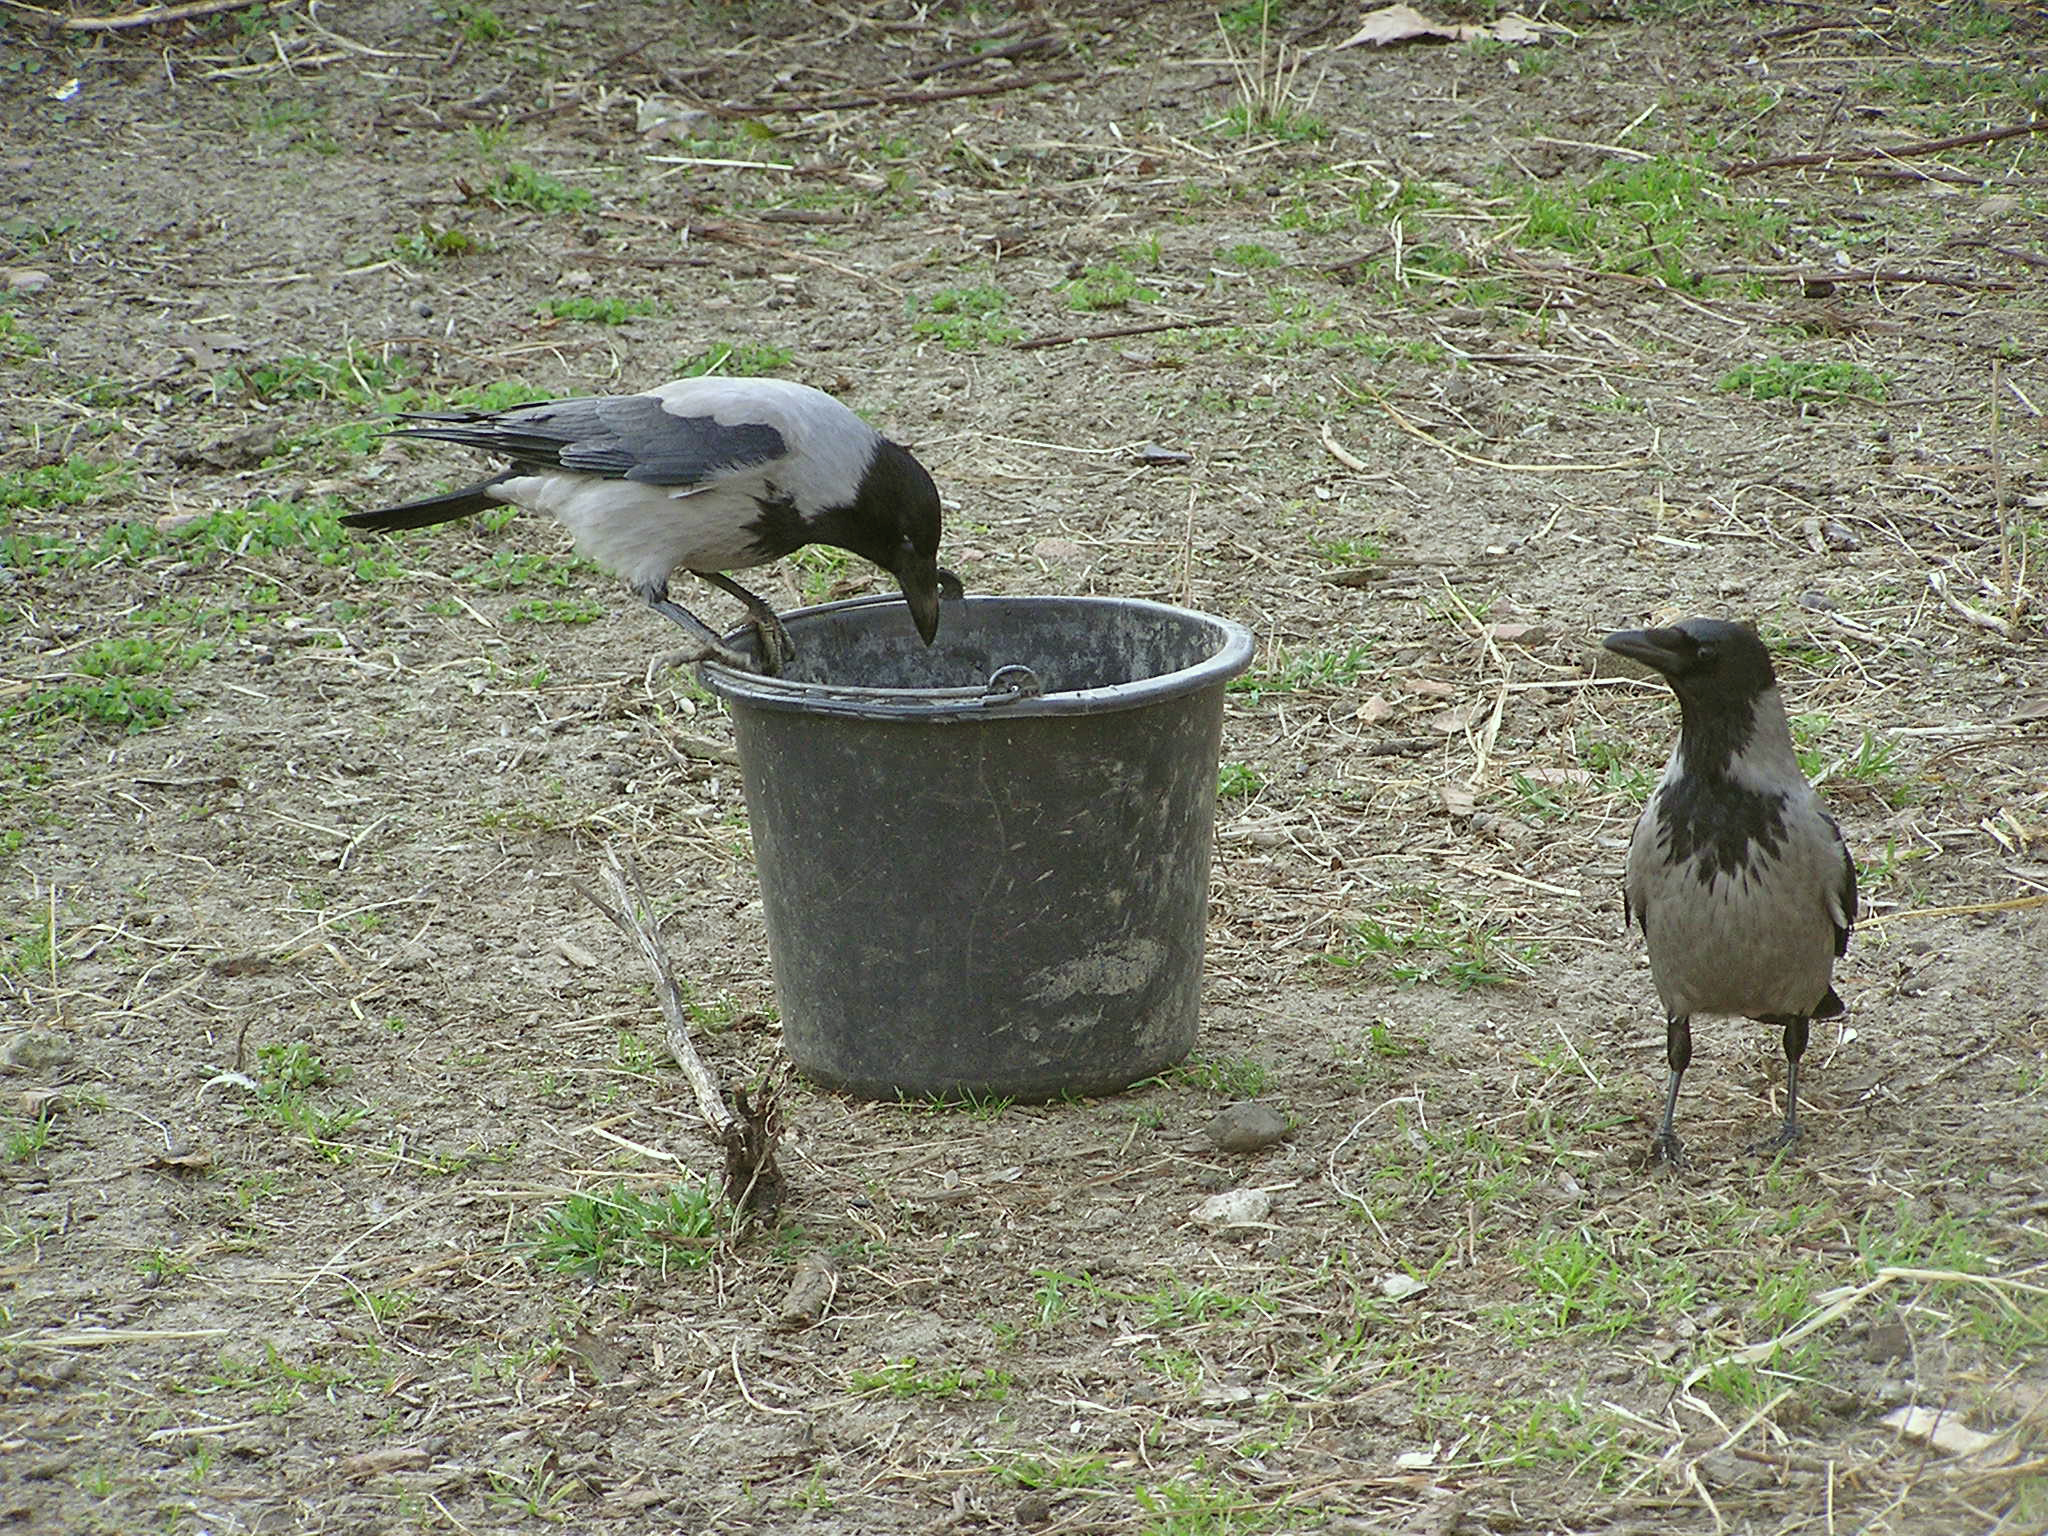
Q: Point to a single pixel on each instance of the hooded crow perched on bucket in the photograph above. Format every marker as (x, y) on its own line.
(1737, 875)
(705, 475)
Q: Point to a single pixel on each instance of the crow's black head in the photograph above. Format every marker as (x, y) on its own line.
(1712, 664)
(894, 521)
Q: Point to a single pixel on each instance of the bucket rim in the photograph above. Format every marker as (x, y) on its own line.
(1232, 654)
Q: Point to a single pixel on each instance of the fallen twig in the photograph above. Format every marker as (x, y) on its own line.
(1413, 430)
(1896, 151)
(1937, 583)
(158, 17)
(1972, 909)
(1147, 329)
(753, 1183)
(901, 98)
(1038, 44)
(631, 918)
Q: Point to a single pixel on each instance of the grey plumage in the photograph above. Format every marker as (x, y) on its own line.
(706, 475)
(1737, 875)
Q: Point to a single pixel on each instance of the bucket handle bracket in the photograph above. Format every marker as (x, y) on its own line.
(1008, 685)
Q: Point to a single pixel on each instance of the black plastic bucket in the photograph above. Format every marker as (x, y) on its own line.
(985, 865)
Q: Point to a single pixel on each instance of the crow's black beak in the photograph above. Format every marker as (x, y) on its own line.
(918, 576)
(1668, 651)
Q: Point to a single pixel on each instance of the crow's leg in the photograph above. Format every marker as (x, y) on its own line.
(776, 651)
(1795, 1047)
(1678, 1056)
(708, 648)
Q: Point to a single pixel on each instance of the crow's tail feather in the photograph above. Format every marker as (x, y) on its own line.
(434, 509)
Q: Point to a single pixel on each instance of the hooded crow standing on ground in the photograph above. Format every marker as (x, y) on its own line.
(1738, 876)
(705, 475)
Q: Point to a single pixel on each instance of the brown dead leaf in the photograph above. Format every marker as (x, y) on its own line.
(1404, 24)
(1943, 1431)
(181, 1159)
(1459, 717)
(1458, 802)
(385, 1460)
(1518, 634)
(1374, 709)
(1513, 28)
(811, 1290)
(1396, 24)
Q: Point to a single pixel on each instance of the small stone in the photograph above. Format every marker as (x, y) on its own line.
(24, 279)
(1034, 1509)
(1888, 1341)
(36, 1050)
(1152, 453)
(1055, 551)
(1246, 1127)
(1235, 1208)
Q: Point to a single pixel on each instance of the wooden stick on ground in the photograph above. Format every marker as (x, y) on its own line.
(160, 16)
(1893, 152)
(752, 1181)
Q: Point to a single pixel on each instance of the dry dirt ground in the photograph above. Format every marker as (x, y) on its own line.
(1461, 353)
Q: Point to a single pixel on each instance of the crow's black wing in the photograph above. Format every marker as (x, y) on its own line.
(616, 437)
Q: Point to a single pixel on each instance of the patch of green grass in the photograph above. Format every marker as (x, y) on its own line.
(287, 1073)
(73, 482)
(1304, 671)
(1578, 1286)
(1238, 781)
(556, 610)
(1785, 378)
(269, 526)
(1462, 955)
(291, 119)
(975, 1106)
(747, 359)
(1045, 1472)
(595, 311)
(1209, 1507)
(1230, 1077)
(906, 1379)
(163, 1264)
(17, 343)
(479, 23)
(105, 690)
(1181, 1305)
(1666, 217)
(1250, 18)
(1954, 86)
(1267, 120)
(519, 185)
(1875, 766)
(824, 567)
(1107, 285)
(504, 569)
(1347, 552)
(1250, 255)
(965, 318)
(594, 1234)
(432, 243)
(26, 1144)
(359, 377)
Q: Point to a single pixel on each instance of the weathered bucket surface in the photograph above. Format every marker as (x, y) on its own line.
(977, 888)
